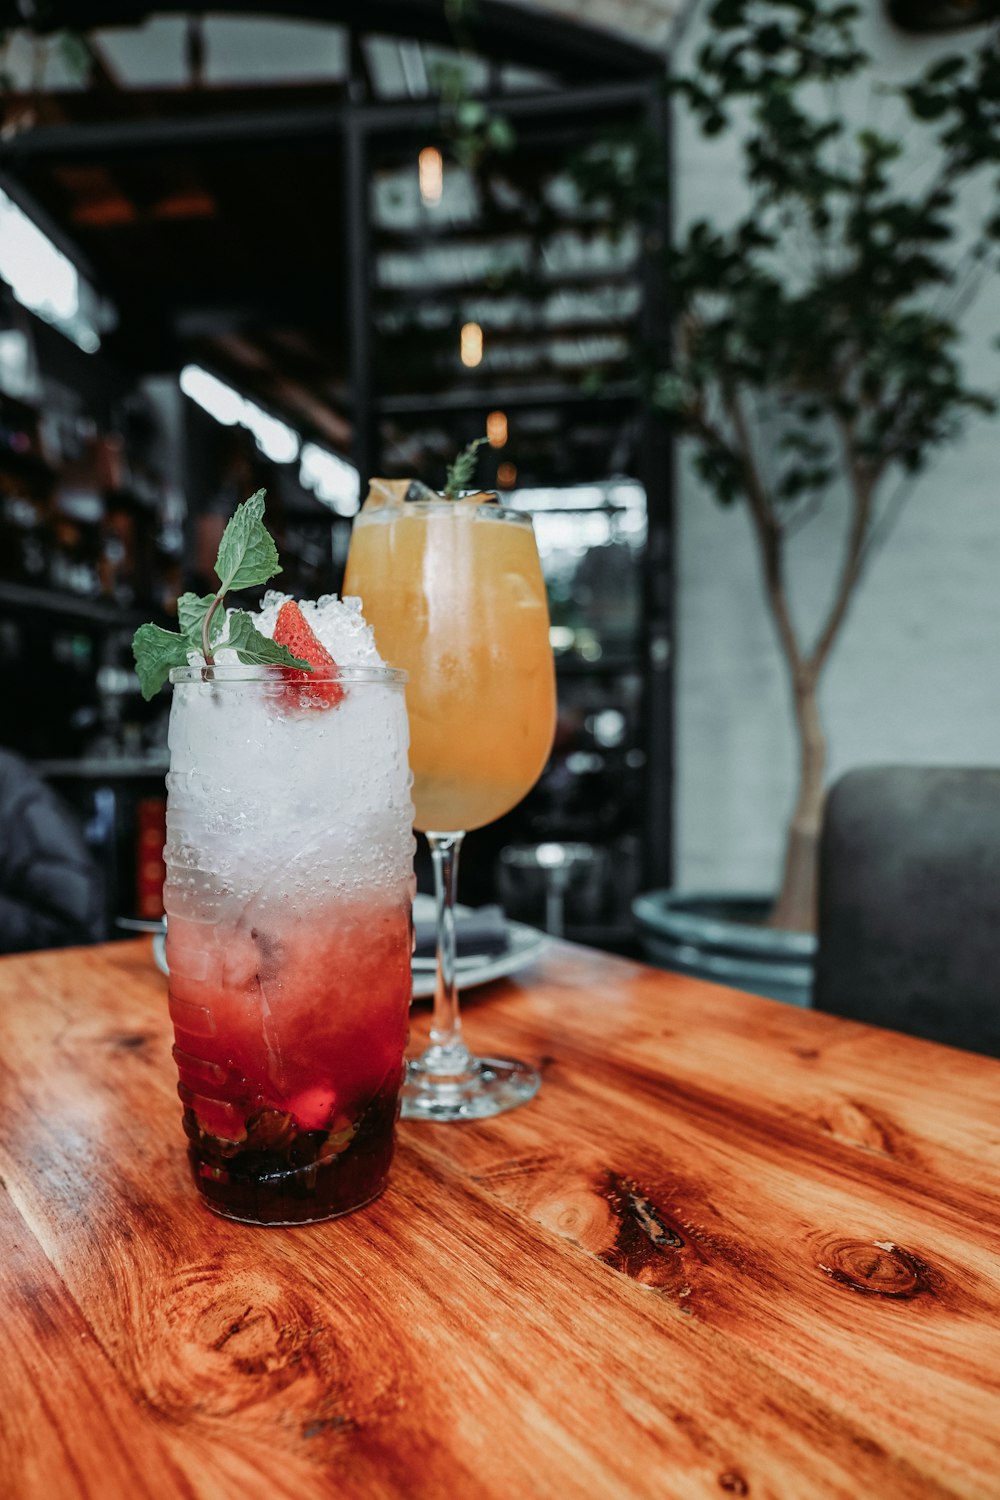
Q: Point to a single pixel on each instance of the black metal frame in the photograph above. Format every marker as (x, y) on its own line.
(356, 122)
(656, 457)
(519, 34)
(657, 473)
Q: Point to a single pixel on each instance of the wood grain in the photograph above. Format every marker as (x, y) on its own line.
(731, 1249)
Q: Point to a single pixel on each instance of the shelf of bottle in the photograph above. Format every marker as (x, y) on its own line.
(30, 596)
(100, 768)
(471, 398)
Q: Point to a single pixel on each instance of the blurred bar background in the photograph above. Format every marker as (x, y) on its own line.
(297, 249)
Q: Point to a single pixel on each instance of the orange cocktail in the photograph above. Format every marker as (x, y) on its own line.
(454, 592)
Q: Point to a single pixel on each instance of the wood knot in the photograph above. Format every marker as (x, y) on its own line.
(321, 1425)
(733, 1483)
(225, 1343)
(131, 1041)
(646, 1244)
(858, 1124)
(253, 1339)
(876, 1268)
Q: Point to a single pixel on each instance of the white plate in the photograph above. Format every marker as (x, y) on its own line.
(526, 945)
(160, 951)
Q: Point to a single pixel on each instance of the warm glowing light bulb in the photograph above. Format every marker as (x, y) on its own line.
(506, 475)
(496, 429)
(471, 347)
(430, 165)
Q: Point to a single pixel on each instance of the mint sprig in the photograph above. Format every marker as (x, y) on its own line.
(247, 556)
(461, 471)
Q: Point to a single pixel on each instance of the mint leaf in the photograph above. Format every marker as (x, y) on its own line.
(157, 650)
(202, 622)
(247, 554)
(191, 610)
(461, 471)
(256, 650)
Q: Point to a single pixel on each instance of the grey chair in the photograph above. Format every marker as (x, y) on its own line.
(909, 903)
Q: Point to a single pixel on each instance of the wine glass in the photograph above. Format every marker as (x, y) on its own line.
(454, 592)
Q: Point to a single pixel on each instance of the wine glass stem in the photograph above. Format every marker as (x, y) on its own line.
(448, 1052)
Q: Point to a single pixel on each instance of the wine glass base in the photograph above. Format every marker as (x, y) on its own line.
(489, 1087)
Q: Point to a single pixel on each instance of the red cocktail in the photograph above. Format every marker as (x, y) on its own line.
(289, 883)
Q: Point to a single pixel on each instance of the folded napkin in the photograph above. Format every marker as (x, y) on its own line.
(480, 932)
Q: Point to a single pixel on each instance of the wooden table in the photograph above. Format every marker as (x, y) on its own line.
(731, 1249)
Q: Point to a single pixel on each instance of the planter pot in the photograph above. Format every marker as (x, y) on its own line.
(720, 936)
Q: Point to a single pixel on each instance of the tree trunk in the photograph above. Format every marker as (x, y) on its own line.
(795, 907)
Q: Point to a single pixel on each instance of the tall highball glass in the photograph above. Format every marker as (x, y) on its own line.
(454, 592)
(289, 881)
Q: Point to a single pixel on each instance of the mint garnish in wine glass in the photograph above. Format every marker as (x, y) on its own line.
(460, 473)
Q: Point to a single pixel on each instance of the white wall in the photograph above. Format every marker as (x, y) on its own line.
(916, 674)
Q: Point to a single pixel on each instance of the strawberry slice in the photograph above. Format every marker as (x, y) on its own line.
(291, 629)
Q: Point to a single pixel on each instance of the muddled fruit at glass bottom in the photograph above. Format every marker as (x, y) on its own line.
(290, 1027)
(311, 1175)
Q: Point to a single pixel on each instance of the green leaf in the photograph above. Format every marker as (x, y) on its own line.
(461, 471)
(670, 393)
(74, 54)
(471, 114)
(157, 650)
(945, 70)
(247, 554)
(500, 134)
(191, 610)
(256, 650)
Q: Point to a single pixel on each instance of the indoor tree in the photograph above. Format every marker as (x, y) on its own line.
(816, 337)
